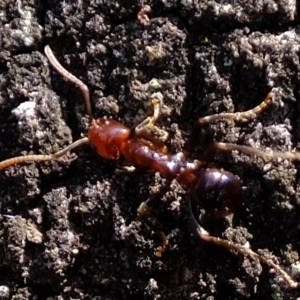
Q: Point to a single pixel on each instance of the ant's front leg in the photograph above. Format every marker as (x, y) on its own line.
(149, 131)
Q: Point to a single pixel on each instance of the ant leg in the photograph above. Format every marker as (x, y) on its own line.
(71, 78)
(293, 156)
(243, 116)
(142, 211)
(41, 157)
(244, 250)
(147, 129)
(164, 245)
(149, 121)
(144, 206)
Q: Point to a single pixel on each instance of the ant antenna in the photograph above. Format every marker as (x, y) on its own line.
(48, 157)
(41, 157)
(71, 78)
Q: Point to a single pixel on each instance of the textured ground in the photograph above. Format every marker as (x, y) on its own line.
(69, 229)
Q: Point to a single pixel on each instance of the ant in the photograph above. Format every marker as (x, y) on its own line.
(113, 140)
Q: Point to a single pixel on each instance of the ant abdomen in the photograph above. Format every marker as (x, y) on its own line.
(217, 192)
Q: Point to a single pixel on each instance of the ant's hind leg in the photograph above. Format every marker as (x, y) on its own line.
(240, 249)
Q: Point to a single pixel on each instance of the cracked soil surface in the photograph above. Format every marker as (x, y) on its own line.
(69, 229)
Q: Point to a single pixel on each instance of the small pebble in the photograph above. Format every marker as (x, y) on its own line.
(4, 292)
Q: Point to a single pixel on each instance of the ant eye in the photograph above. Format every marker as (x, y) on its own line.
(218, 192)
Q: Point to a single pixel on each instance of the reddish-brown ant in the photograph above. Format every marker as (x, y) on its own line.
(113, 140)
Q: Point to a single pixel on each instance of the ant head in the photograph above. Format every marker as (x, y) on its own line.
(107, 137)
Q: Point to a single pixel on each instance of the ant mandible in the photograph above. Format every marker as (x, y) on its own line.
(113, 140)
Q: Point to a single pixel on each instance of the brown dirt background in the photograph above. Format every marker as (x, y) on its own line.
(69, 229)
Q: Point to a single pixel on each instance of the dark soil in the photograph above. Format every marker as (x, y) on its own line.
(69, 229)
